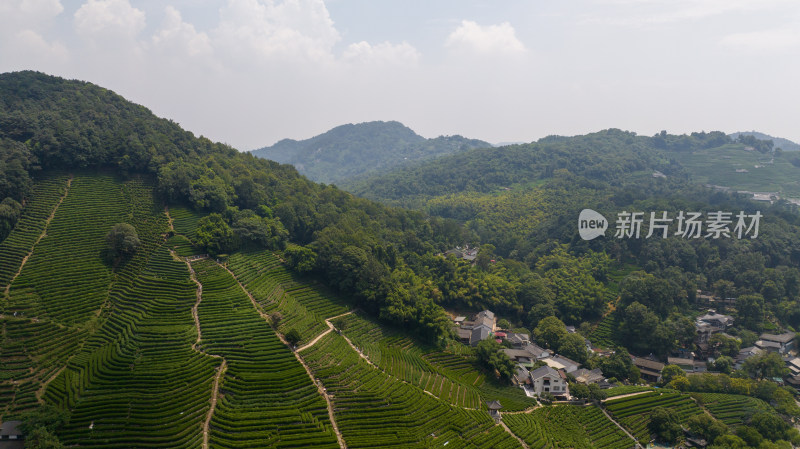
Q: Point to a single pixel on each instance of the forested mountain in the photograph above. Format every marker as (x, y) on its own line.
(612, 155)
(784, 144)
(365, 148)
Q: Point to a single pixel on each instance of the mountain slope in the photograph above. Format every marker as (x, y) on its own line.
(352, 150)
(784, 144)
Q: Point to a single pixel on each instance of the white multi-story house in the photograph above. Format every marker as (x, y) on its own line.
(547, 380)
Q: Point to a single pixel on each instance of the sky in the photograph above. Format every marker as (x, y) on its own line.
(252, 72)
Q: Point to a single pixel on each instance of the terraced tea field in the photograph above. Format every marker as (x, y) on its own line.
(302, 306)
(64, 291)
(732, 409)
(633, 412)
(267, 400)
(568, 426)
(444, 374)
(374, 409)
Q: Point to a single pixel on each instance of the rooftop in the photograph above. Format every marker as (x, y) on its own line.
(9, 428)
(781, 338)
(494, 405)
(543, 371)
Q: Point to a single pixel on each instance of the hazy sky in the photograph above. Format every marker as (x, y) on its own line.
(251, 72)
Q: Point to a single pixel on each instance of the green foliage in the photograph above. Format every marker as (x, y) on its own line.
(665, 424)
(725, 345)
(573, 346)
(45, 417)
(42, 438)
(262, 231)
(550, 332)
(618, 365)
(707, 427)
(121, 242)
(214, 234)
(293, 337)
(750, 311)
(729, 442)
(765, 365)
(656, 294)
(10, 211)
(723, 364)
(302, 259)
(636, 412)
(490, 356)
(670, 373)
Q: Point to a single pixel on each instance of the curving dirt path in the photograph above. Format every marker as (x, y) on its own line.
(318, 337)
(505, 427)
(224, 366)
(214, 395)
(638, 445)
(41, 236)
(199, 296)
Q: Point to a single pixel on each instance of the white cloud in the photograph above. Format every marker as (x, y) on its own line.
(23, 28)
(295, 29)
(39, 8)
(642, 13)
(767, 40)
(31, 42)
(180, 38)
(101, 19)
(485, 40)
(403, 54)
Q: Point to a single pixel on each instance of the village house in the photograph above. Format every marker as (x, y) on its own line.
(11, 436)
(587, 377)
(480, 328)
(794, 371)
(649, 370)
(521, 376)
(562, 363)
(782, 343)
(794, 365)
(744, 354)
(527, 354)
(547, 380)
(717, 320)
(517, 339)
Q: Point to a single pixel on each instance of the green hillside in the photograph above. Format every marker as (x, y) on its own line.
(362, 149)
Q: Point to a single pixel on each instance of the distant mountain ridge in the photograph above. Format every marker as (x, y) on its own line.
(784, 144)
(365, 148)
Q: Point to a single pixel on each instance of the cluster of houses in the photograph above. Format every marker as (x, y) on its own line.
(712, 323)
(541, 371)
(538, 370)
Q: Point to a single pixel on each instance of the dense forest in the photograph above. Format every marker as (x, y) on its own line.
(362, 149)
